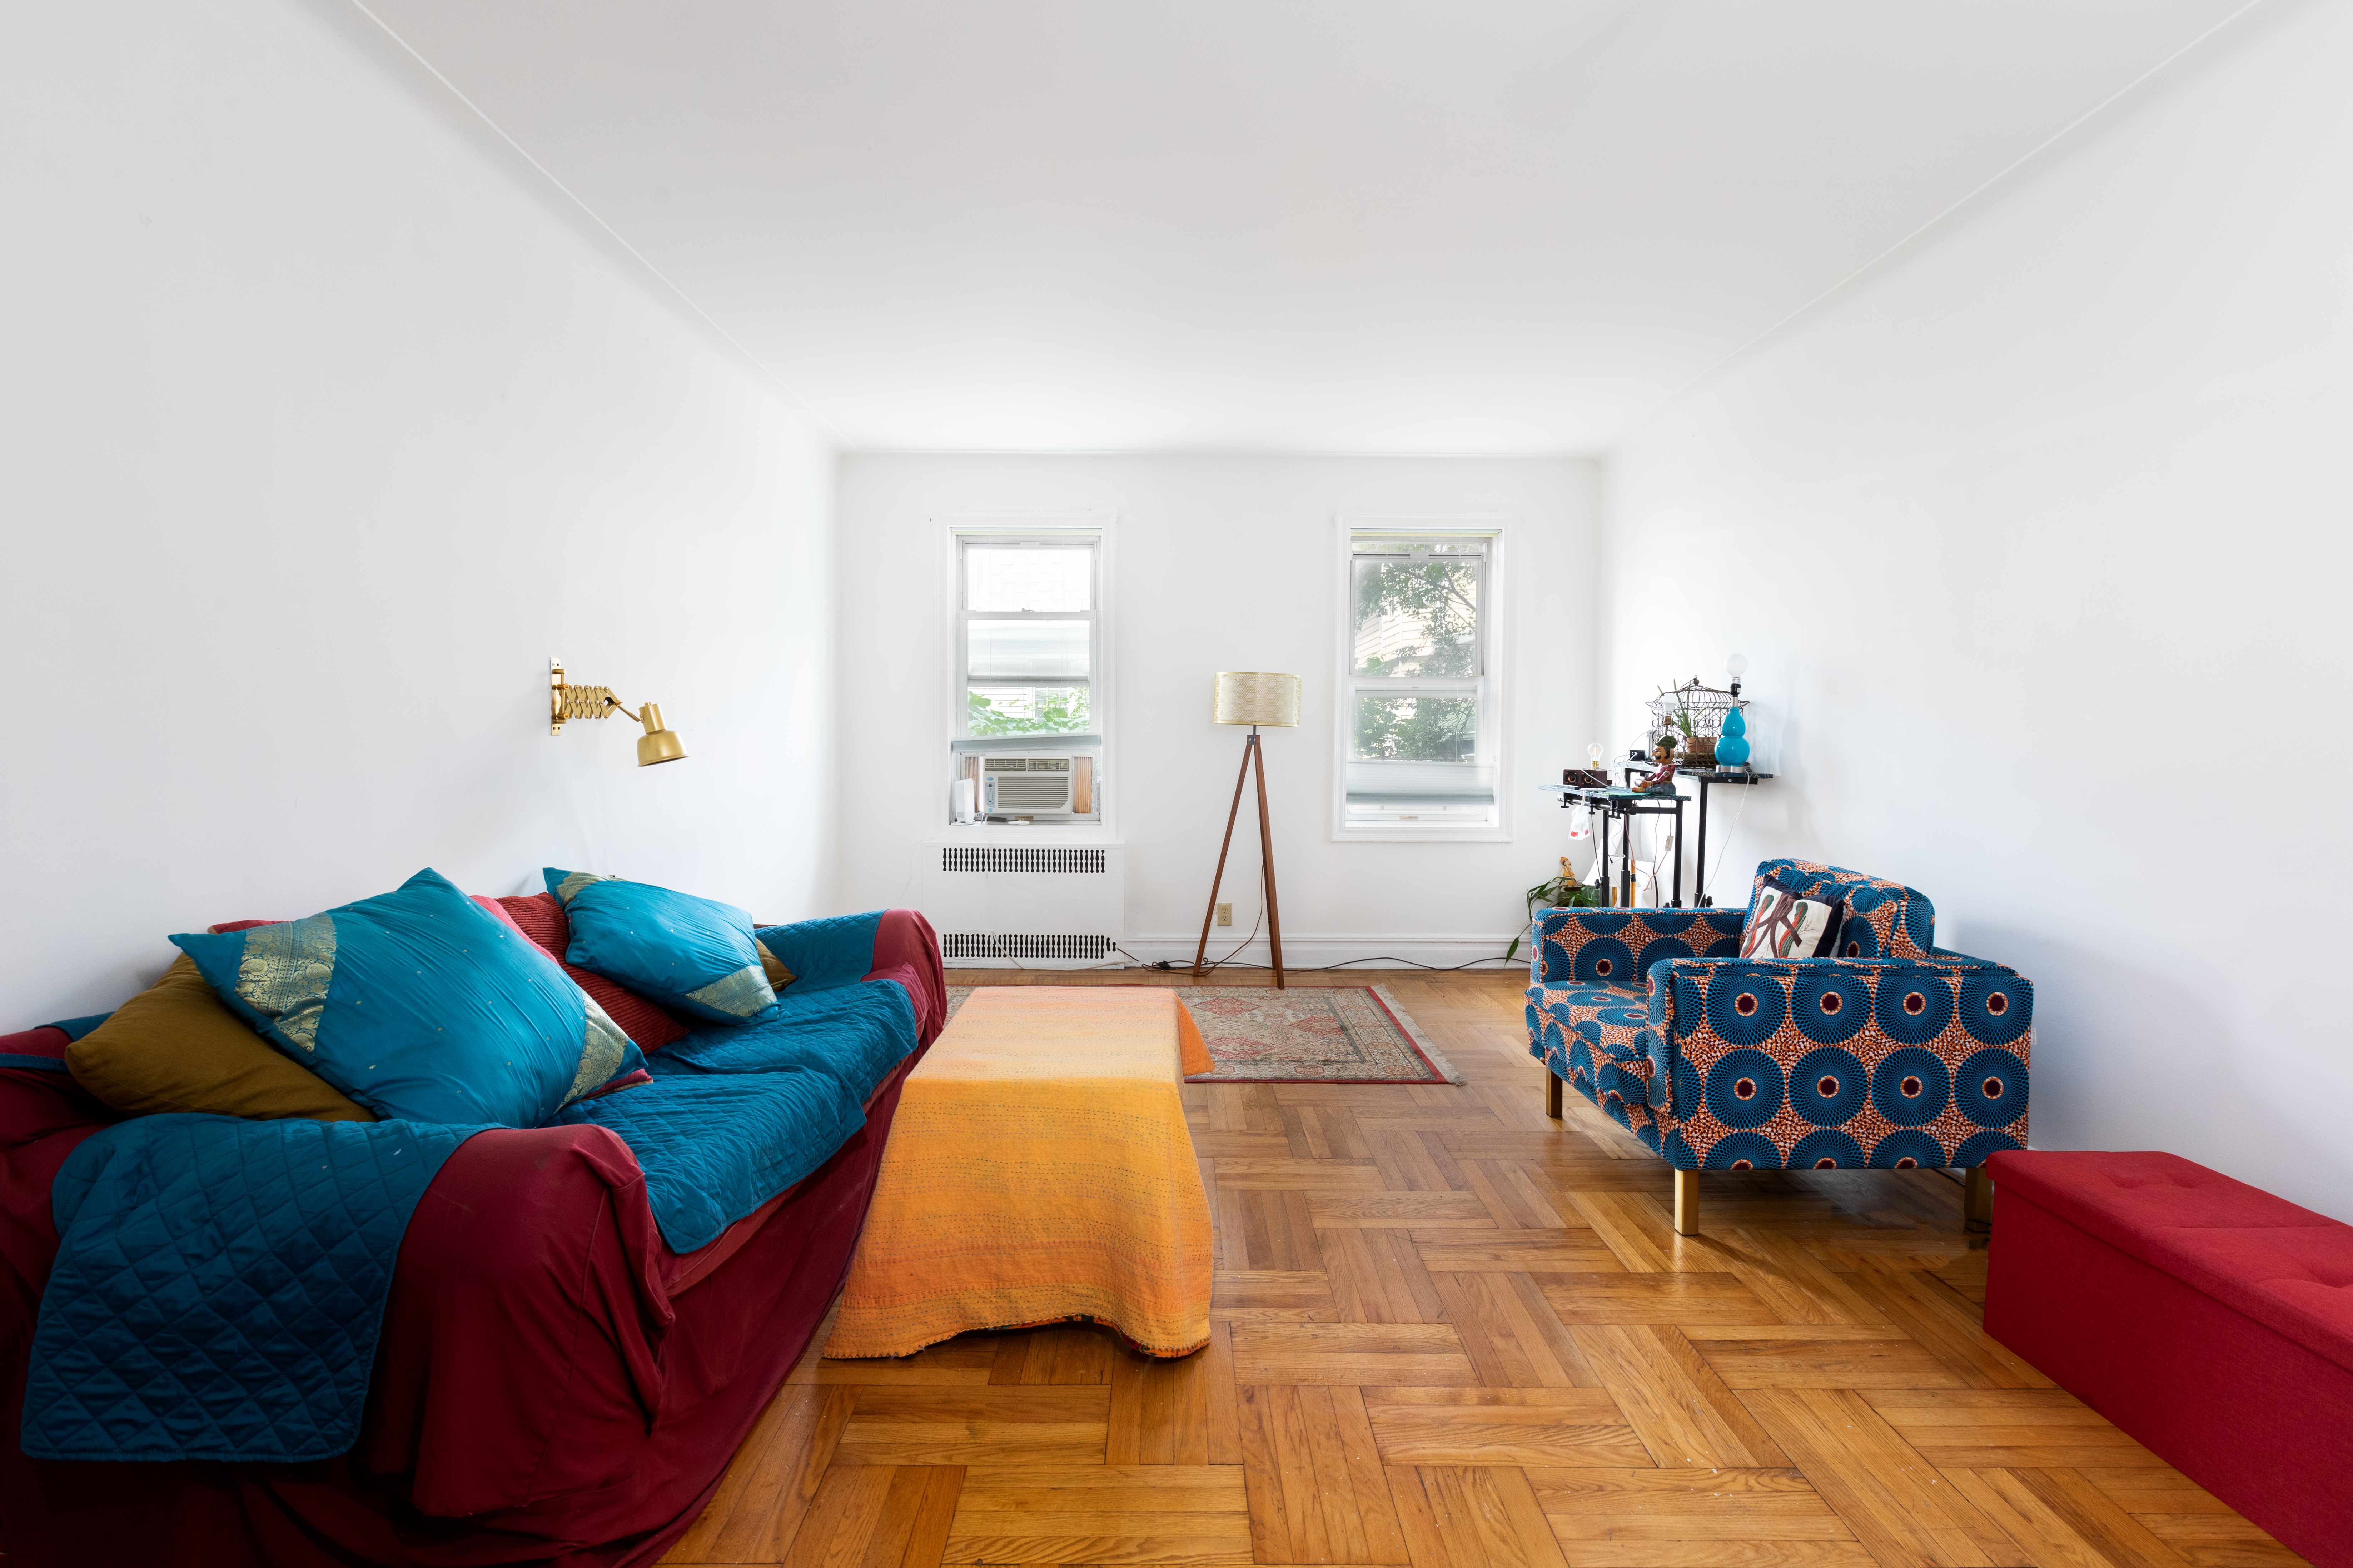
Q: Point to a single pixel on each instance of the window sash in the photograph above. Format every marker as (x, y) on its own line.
(967, 681)
(1480, 598)
(1000, 651)
(1380, 792)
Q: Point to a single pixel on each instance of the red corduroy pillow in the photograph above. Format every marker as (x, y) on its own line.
(541, 918)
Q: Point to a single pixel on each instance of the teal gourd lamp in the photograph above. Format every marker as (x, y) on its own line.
(1732, 744)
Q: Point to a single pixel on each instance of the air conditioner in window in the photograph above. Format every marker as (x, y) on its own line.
(1041, 784)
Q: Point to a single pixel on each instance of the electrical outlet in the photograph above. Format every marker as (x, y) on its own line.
(1225, 914)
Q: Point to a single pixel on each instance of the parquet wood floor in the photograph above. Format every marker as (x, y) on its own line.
(1452, 1333)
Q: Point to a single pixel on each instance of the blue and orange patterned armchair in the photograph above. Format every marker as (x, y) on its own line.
(1892, 1055)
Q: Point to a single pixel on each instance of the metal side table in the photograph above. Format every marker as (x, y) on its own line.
(1624, 805)
(1707, 776)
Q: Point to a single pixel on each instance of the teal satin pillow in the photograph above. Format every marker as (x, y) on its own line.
(421, 1007)
(694, 956)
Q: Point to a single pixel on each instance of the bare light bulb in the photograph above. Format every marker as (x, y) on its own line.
(1736, 665)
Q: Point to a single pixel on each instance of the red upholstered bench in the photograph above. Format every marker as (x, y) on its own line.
(2207, 1319)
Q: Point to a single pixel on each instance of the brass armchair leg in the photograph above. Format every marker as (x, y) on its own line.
(1552, 1094)
(1977, 1196)
(1686, 1203)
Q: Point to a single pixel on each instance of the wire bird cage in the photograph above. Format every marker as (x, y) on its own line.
(1703, 706)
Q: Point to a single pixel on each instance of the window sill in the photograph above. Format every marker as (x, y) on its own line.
(1067, 834)
(1401, 834)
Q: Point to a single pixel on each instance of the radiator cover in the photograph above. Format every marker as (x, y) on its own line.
(1039, 906)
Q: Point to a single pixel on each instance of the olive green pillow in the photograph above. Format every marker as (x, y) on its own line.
(175, 1047)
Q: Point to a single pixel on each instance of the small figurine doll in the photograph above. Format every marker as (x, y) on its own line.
(1664, 781)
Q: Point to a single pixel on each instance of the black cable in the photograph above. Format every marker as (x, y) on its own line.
(1217, 964)
(1170, 964)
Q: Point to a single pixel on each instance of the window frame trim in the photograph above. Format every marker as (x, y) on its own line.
(1491, 685)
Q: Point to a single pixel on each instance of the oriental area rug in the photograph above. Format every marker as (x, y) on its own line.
(1321, 1034)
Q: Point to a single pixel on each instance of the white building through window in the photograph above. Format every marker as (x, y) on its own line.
(1420, 718)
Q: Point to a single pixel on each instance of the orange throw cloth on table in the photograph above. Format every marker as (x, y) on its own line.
(1039, 1171)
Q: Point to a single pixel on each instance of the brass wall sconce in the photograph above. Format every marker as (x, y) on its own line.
(655, 745)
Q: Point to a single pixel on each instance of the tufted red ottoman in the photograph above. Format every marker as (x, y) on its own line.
(2207, 1319)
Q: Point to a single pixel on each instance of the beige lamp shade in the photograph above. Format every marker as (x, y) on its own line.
(1253, 697)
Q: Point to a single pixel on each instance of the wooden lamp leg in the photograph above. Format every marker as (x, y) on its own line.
(1266, 862)
(1201, 953)
(1686, 1203)
(1977, 1196)
(1552, 1094)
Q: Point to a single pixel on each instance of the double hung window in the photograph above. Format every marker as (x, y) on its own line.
(1420, 720)
(1028, 634)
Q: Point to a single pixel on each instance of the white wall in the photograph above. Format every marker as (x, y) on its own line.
(2038, 543)
(1222, 563)
(320, 431)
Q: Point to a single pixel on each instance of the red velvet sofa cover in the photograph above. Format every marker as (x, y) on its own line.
(2210, 1320)
(554, 1384)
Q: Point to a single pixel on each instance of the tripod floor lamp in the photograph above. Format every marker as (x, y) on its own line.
(1251, 697)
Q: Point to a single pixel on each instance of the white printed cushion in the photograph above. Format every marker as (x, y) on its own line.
(1784, 925)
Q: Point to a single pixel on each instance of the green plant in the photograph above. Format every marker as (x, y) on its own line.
(1682, 716)
(1561, 892)
(1015, 712)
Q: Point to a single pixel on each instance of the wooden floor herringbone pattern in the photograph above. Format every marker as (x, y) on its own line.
(1452, 1333)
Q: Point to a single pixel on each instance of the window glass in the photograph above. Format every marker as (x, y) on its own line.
(1389, 545)
(1421, 729)
(1416, 618)
(1032, 577)
(1027, 711)
(1029, 651)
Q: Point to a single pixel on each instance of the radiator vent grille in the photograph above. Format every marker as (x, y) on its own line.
(974, 944)
(979, 858)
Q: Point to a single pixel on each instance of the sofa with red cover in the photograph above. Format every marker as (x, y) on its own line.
(2210, 1320)
(553, 1385)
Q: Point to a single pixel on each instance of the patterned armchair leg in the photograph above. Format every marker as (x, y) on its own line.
(1976, 1199)
(1686, 1203)
(1552, 1095)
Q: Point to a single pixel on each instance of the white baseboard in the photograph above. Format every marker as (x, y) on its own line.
(1315, 950)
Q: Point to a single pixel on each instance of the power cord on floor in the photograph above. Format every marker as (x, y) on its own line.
(1215, 965)
(1166, 964)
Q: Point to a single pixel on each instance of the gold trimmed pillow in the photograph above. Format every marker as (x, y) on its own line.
(175, 1047)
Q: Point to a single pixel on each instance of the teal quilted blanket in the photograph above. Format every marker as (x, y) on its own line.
(855, 1034)
(714, 1148)
(220, 1284)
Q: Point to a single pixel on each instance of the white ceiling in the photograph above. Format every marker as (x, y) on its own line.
(1427, 225)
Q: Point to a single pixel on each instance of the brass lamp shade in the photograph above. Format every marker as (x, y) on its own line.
(658, 744)
(1254, 697)
(566, 701)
